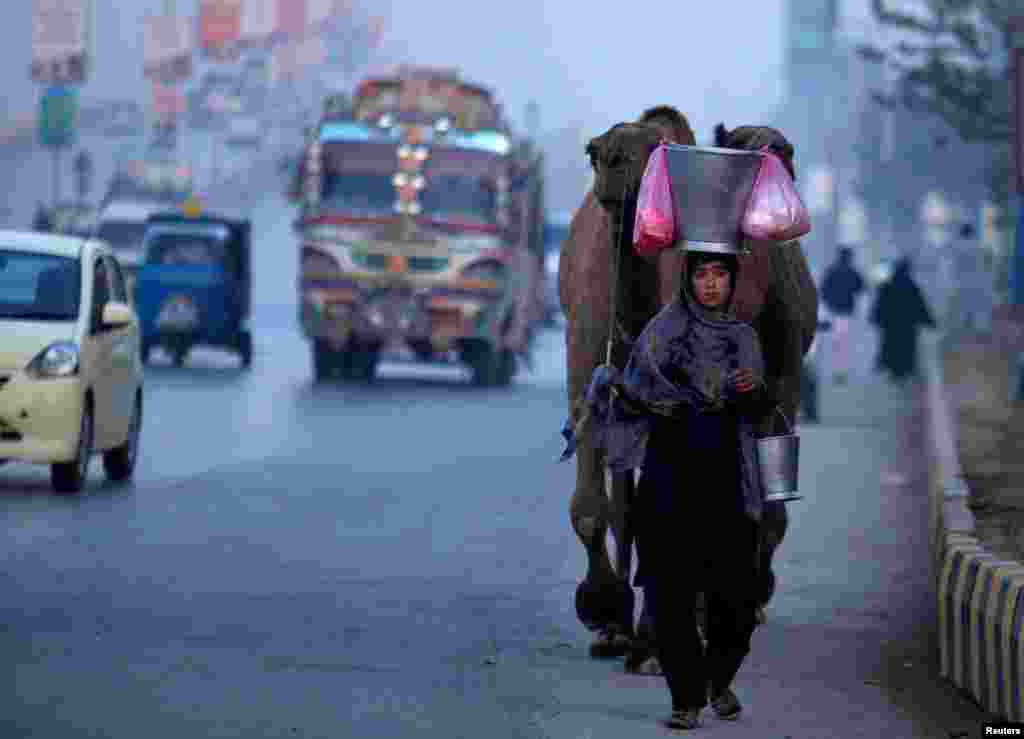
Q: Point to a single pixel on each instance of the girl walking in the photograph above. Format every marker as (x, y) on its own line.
(684, 410)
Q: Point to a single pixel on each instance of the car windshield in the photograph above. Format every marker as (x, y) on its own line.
(359, 193)
(122, 235)
(38, 287)
(185, 249)
(459, 196)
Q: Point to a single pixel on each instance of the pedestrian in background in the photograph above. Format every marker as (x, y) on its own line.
(974, 284)
(840, 289)
(900, 312)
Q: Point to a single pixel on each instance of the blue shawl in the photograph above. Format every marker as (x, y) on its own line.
(679, 364)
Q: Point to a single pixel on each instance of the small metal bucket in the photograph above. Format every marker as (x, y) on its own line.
(778, 463)
(711, 188)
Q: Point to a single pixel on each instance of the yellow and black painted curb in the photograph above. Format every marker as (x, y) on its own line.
(980, 595)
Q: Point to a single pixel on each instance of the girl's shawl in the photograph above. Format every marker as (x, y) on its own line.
(679, 365)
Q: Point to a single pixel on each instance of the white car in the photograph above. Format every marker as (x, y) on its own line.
(70, 362)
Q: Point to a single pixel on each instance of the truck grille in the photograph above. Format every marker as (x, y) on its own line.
(416, 264)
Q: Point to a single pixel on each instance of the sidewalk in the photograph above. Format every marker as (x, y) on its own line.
(849, 649)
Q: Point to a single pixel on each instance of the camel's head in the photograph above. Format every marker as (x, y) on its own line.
(752, 138)
(619, 157)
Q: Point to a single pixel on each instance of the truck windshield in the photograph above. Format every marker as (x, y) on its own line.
(460, 196)
(445, 196)
(358, 193)
(38, 287)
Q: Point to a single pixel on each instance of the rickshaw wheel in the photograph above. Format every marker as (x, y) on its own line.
(322, 360)
(245, 349)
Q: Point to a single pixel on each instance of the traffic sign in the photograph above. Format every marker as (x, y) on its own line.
(58, 116)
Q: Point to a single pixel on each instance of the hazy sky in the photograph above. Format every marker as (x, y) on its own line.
(716, 61)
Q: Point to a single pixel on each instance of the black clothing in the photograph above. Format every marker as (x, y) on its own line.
(841, 286)
(900, 312)
(688, 544)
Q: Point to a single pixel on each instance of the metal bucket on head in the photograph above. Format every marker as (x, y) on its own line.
(711, 188)
(778, 464)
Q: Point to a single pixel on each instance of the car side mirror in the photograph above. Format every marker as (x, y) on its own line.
(116, 315)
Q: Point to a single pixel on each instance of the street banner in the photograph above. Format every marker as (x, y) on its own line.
(167, 100)
(61, 40)
(311, 52)
(291, 18)
(167, 48)
(284, 63)
(319, 12)
(258, 21)
(58, 116)
(220, 27)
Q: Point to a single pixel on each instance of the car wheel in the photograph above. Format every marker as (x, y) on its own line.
(119, 463)
(69, 477)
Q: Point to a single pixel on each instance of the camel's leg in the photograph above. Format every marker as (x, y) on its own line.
(602, 598)
(622, 488)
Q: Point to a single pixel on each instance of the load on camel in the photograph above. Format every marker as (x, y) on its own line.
(775, 293)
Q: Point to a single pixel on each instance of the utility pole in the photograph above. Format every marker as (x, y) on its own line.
(1017, 265)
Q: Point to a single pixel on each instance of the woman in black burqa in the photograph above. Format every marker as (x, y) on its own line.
(686, 406)
(900, 312)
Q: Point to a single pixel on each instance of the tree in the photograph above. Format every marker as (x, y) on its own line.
(953, 63)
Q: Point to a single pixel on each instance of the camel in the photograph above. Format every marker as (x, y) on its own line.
(775, 293)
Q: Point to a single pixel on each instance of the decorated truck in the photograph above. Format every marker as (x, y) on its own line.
(421, 231)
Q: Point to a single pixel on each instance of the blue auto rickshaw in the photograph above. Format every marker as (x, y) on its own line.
(193, 287)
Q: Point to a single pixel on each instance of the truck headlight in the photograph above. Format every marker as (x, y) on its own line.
(473, 244)
(59, 359)
(486, 271)
(319, 264)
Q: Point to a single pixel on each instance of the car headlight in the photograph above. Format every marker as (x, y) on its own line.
(59, 359)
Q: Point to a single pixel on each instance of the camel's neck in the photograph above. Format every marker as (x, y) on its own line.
(622, 218)
(637, 294)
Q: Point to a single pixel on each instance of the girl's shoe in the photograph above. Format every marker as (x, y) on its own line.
(688, 719)
(727, 706)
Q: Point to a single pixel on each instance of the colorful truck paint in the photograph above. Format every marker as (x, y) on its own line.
(419, 238)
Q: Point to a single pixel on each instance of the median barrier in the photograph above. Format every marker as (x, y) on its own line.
(980, 595)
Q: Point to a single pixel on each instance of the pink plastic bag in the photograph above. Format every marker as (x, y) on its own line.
(775, 211)
(655, 226)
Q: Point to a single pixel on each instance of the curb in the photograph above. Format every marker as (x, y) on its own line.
(980, 596)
